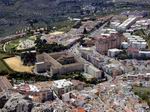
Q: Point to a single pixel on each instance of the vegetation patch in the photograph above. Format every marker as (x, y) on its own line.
(143, 93)
(78, 76)
(11, 46)
(4, 69)
(43, 46)
(64, 26)
(21, 77)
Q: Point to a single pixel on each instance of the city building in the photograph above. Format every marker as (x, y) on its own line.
(124, 45)
(127, 23)
(78, 85)
(141, 24)
(144, 77)
(114, 69)
(115, 24)
(135, 41)
(144, 54)
(136, 46)
(113, 52)
(105, 63)
(108, 41)
(57, 63)
(140, 13)
(38, 92)
(62, 86)
(86, 100)
(134, 52)
(91, 72)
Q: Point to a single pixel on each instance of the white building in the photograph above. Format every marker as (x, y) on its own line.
(114, 24)
(141, 24)
(124, 45)
(127, 23)
(139, 45)
(62, 86)
(86, 49)
(93, 71)
(135, 41)
(145, 54)
(113, 52)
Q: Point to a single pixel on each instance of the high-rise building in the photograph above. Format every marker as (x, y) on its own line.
(108, 41)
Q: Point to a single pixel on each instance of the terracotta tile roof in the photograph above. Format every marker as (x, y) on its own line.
(78, 110)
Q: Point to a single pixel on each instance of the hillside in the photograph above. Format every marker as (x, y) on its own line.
(16, 15)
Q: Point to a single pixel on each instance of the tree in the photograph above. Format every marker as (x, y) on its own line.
(28, 58)
(85, 31)
(43, 46)
(13, 50)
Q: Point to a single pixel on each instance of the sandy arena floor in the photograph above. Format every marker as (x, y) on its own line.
(15, 64)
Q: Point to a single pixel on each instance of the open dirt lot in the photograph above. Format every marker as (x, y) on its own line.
(15, 64)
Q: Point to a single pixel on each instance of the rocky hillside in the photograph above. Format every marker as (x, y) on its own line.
(17, 14)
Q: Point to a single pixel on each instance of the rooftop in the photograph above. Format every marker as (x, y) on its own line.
(58, 59)
(62, 83)
(4, 84)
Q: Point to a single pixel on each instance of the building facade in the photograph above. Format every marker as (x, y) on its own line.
(58, 63)
(108, 41)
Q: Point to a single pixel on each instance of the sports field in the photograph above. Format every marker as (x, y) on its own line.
(15, 64)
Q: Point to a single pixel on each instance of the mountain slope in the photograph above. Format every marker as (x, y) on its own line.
(18, 14)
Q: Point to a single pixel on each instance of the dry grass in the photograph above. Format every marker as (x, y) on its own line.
(15, 64)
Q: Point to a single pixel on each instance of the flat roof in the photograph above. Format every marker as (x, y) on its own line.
(62, 83)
